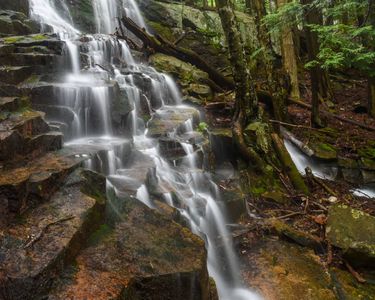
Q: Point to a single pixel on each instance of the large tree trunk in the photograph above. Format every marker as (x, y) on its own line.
(371, 79)
(316, 73)
(277, 80)
(246, 104)
(371, 97)
(289, 56)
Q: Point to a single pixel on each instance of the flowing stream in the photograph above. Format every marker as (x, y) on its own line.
(102, 68)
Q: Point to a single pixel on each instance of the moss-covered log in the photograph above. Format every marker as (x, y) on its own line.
(288, 165)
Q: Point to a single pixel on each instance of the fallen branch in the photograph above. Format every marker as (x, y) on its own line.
(302, 146)
(159, 44)
(289, 215)
(44, 229)
(329, 114)
(311, 176)
(181, 37)
(355, 274)
(293, 125)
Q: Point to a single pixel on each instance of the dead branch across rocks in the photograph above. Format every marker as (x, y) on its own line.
(161, 45)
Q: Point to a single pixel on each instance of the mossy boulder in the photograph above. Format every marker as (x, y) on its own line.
(204, 31)
(353, 231)
(324, 151)
(16, 5)
(349, 169)
(279, 270)
(172, 119)
(16, 23)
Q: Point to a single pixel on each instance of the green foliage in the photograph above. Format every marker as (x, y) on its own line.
(345, 42)
(289, 15)
(343, 46)
(202, 127)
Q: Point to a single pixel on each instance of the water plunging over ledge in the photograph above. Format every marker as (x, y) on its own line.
(83, 107)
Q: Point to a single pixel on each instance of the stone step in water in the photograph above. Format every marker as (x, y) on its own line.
(48, 61)
(137, 172)
(48, 41)
(14, 147)
(103, 154)
(42, 143)
(35, 247)
(169, 120)
(144, 256)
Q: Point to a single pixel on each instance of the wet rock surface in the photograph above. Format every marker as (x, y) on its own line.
(171, 119)
(36, 246)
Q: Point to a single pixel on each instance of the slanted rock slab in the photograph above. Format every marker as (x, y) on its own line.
(145, 256)
(36, 246)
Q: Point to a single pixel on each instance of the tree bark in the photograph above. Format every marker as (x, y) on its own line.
(316, 73)
(371, 97)
(246, 102)
(371, 79)
(277, 80)
(289, 56)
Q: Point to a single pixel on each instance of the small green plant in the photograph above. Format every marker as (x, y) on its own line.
(202, 127)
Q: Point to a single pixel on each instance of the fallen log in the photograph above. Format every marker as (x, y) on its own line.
(332, 115)
(288, 165)
(159, 44)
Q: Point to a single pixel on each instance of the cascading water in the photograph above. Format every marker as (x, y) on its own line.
(83, 106)
(107, 12)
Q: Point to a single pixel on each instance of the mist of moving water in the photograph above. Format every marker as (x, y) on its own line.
(83, 106)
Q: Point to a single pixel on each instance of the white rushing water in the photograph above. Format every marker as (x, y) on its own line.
(323, 170)
(83, 109)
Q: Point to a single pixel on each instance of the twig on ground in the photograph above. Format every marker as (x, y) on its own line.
(355, 274)
(43, 230)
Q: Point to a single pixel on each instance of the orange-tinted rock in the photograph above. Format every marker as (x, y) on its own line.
(38, 244)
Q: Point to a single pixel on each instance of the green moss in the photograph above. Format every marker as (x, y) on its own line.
(323, 150)
(164, 31)
(327, 147)
(12, 39)
(367, 152)
(103, 231)
(38, 37)
(32, 79)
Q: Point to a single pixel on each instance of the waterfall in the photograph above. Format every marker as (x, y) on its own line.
(107, 13)
(44, 11)
(83, 105)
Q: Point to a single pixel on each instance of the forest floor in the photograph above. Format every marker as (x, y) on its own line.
(306, 216)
